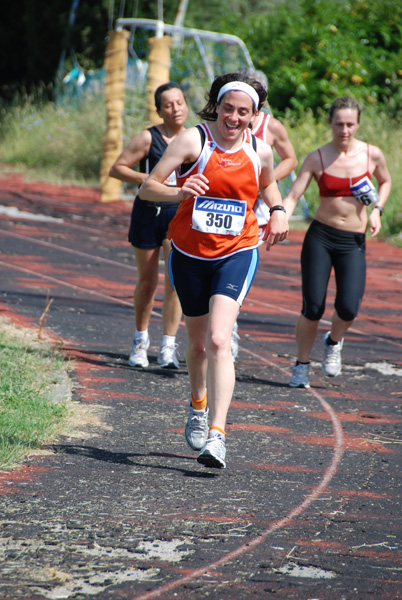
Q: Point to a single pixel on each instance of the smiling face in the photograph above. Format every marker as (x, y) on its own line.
(235, 111)
(344, 124)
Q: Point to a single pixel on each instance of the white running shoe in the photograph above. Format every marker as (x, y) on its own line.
(332, 363)
(168, 357)
(196, 431)
(234, 342)
(138, 355)
(214, 452)
(299, 377)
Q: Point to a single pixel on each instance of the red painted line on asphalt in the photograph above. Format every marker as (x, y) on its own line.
(279, 405)
(64, 283)
(357, 418)
(134, 268)
(285, 468)
(257, 427)
(24, 474)
(351, 443)
(274, 307)
(100, 380)
(375, 554)
(361, 494)
(339, 448)
(95, 257)
(323, 545)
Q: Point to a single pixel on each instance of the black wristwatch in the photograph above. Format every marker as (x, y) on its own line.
(380, 208)
(276, 207)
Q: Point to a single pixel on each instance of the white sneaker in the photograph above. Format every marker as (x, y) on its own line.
(168, 357)
(213, 453)
(196, 431)
(332, 363)
(299, 377)
(138, 355)
(234, 342)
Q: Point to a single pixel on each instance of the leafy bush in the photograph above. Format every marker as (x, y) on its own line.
(315, 51)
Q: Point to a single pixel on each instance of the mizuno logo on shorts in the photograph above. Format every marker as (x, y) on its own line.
(231, 286)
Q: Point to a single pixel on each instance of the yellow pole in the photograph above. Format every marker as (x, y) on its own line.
(158, 72)
(116, 56)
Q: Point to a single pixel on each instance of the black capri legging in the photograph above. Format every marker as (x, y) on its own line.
(325, 247)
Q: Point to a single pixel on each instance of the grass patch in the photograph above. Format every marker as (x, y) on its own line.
(33, 394)
(55, 143)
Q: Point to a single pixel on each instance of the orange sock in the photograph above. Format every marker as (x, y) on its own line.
(199, 404)
(217, 429)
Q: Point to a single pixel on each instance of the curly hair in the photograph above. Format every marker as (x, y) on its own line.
(209, 111)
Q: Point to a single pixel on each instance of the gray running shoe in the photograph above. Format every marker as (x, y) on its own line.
(168, 357)
(299, 377)
(196, 431)
(332, 363)
(138, 355)
(214, 452)
(234, 342)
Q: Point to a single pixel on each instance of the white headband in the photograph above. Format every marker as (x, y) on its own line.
(240, 86)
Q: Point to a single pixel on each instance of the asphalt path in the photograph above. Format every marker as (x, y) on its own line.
(309, 507)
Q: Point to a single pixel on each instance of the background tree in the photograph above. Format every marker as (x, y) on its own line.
(314, 51)
(311, 50)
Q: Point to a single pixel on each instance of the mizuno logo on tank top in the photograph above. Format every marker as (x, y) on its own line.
(227, 206)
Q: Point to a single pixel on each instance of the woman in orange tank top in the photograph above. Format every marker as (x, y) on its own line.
(343, 169)
(220, 168)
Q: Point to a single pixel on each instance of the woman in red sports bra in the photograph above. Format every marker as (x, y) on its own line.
(220, 167)
(349, 202)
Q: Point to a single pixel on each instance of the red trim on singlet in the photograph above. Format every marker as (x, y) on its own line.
(261, 131)
(331, 186)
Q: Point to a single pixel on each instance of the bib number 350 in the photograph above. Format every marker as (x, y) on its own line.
(219, 221)
(221, 216)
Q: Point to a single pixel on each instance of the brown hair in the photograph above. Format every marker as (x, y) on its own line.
(344, 102)
(164, 88)
(209, 111)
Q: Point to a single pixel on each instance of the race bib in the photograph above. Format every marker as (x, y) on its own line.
(365, 191)
(217, 215)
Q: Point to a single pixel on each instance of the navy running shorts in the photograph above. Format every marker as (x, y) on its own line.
(150, 223)
(196, 280)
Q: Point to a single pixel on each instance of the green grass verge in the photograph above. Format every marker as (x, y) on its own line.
(55, 143)
(33, 394)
